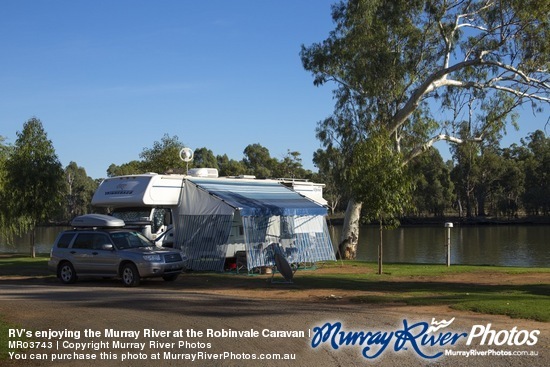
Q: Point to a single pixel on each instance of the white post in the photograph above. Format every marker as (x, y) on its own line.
(448, 225)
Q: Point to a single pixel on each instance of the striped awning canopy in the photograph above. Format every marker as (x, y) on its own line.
(259, 198)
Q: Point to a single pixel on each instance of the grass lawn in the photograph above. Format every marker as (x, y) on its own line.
(460, 287)
(4, 339)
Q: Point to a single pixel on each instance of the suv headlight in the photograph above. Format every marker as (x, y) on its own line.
(151, 257)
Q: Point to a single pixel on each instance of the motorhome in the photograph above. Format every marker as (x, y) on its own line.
(212, 218)
(143, 202)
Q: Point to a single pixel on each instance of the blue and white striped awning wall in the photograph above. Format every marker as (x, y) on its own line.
(303, 239)
(203, 239)
(312, 239)
(271, 213)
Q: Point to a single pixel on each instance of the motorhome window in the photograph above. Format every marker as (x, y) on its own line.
(159, 219)
(65, 240)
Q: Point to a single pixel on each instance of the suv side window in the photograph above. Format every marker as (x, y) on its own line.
(65, 240)
(91, 241)
(99, 240)
(83, 240)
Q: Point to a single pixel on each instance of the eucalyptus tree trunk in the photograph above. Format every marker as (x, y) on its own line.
(380, 248)
(347, 249)
(33, 242)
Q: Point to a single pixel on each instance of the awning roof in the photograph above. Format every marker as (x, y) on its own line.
(259, 198)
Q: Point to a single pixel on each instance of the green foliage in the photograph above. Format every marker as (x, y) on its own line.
(425, 70)
(204, 158)
(331, 164)
(537, 173)
(379, 179)
(131, 168)
(503, 182)
(80, 189)
(34, 185)
(4, 214)
(230, 167)
(485, 180)
(434, 190)
(163, 156)
(258, 161)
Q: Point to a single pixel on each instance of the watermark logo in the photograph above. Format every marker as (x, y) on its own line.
(427, 340)
(439, 325)
(514, 337)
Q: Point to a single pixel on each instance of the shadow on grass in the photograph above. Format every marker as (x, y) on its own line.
(17, 265)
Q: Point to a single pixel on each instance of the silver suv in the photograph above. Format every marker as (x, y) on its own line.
(98, 246)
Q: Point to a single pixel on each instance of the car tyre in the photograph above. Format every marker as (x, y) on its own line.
(130, 275)
(170, 277)
(66, 273)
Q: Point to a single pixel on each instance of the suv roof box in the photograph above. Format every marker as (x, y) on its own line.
(97, 220)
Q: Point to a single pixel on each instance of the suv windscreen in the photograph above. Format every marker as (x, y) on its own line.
(125, 240)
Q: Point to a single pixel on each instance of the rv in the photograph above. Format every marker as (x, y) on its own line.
(213, 218)
(143, 202)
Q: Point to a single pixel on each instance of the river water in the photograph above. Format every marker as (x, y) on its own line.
(503, 245)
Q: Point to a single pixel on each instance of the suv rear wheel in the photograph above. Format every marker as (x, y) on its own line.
(130, 275)
(66, 273)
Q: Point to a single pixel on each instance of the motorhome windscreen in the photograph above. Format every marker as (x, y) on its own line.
(129, 215)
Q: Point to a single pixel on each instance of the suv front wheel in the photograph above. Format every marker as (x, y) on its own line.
(66, 273)
(130, 275)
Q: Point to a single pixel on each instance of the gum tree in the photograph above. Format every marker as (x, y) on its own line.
(421, 69)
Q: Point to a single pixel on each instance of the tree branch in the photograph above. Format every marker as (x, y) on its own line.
(441, 137)
(439, 79)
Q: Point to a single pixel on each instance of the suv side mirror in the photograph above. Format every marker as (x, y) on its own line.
(107, 247)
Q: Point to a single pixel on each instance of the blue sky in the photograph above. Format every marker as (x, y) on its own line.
(109, 78)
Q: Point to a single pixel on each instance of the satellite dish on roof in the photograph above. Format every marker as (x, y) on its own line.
(186, 154)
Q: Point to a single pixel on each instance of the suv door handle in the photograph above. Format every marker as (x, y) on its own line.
(73, 252)
(94, 253)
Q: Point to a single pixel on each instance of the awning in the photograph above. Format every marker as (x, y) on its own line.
(259, 198)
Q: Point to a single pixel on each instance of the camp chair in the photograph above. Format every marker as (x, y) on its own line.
(240, 261)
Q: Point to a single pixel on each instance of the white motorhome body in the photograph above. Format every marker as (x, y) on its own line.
(311, 190)
(143, 201)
